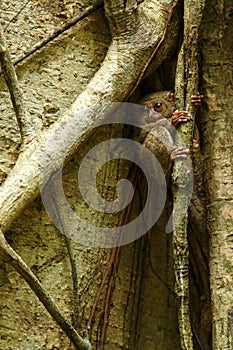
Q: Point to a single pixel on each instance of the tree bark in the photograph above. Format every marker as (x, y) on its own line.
(137, 307)
(134, 36)
(217, 53)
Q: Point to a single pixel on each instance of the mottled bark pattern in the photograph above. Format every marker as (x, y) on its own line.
(217, 51)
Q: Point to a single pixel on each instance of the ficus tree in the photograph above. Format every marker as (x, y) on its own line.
(64, 65)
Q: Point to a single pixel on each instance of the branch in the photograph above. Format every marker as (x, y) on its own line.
(74, 273)
(12, 258)
(129, 51)
(156, 49)
(24, 120)
(186, 85)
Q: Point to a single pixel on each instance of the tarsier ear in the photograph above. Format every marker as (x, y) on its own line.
(171, 95)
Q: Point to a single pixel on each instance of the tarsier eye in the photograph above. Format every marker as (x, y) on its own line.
(158, 106)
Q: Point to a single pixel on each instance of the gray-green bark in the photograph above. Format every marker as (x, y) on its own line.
(218, 129)
(135, 34)
(187, 82)
(142, 311)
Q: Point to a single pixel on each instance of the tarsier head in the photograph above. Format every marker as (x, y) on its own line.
(162, 102)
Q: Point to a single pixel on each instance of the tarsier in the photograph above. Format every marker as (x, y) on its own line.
(157, 124)
(163, 104)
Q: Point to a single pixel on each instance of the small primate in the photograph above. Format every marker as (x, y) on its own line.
(157, 124)
(161, 105)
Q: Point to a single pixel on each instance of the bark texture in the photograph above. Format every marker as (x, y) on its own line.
(218, 128)
(51, 76)
(96, 62)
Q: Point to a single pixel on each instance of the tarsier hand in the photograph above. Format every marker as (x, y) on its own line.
(183, 117)
(178, 153)
(180, 117)
(196, 99)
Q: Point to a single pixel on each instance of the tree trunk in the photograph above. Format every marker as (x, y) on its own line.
(217, 127)
(121, 297)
